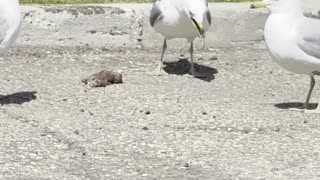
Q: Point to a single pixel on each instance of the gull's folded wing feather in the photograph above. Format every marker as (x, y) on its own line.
(310, 37)
(3, 29)
(155, 13)
(208, 16)
(207, 13)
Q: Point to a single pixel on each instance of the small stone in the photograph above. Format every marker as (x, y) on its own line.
(186, 165)
(204, 113)
(92, 31)
(145, 128)
(246, 131)
(65, 99)
(118, 11)
(82, 110)
(147, 112)
(277, 129)
(305, 121)
(213, 58)
(229, 129)
(274, 169)
(76, 132)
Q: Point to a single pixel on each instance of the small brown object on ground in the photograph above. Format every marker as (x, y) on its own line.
(103, 78)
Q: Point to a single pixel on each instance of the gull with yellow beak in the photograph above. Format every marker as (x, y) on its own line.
(186, 19)
(293, 40)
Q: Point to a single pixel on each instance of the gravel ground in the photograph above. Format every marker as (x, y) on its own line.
(235, 124)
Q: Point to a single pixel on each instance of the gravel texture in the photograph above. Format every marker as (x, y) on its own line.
(235, 124)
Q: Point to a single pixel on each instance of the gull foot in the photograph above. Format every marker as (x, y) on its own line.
(302, 108)
(315, 111)
(194, 74)
(157, 72)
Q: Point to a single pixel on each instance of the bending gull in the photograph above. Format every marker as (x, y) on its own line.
(293, 40)
(179, 19)
(10, 22)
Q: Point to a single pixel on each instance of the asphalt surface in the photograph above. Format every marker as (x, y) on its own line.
(234, 124)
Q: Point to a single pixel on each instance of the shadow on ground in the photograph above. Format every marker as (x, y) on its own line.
(183, 66)
(289, 105)
(18, 98)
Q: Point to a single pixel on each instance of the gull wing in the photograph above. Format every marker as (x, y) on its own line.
(309, 42)
(4, 27)
(155, 13)
(208, 16)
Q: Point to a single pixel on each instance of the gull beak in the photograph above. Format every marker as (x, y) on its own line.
(201, 30)
(257, 5)
(199, 27)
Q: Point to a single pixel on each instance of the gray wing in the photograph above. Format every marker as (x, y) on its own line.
(3, 29)
(310, 37)
(155, 13)
(207, 13)
(208, 16)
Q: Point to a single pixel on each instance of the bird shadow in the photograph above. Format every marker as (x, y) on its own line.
(182, 67)
(290, 105)
(18, 98)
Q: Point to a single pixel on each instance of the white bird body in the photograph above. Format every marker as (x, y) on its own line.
(10, 22)
(186, 19)
(285, 41)
(175, 21)
(170, 28)
(293, 40)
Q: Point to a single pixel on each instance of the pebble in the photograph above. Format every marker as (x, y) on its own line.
(213, 58)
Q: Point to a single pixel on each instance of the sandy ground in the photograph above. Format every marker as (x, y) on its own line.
(235, 124)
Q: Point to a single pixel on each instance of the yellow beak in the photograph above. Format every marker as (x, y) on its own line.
(257, 5)
(200, 30)
(199, 27)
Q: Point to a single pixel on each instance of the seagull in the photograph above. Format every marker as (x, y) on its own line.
(10, 22)
(186, 19)
(293, 40)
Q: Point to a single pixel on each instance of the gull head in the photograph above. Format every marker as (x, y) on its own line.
(280, 6)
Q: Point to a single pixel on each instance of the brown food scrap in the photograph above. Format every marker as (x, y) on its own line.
(103, 78)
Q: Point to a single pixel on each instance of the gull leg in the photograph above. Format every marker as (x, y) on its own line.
(159, 70)
(312, 83)
(203, 42)
(316, 111)
(192, 70)
(306, 105)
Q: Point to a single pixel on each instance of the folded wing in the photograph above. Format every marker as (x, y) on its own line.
(155, 13)
(4, 27)
(309, 31)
